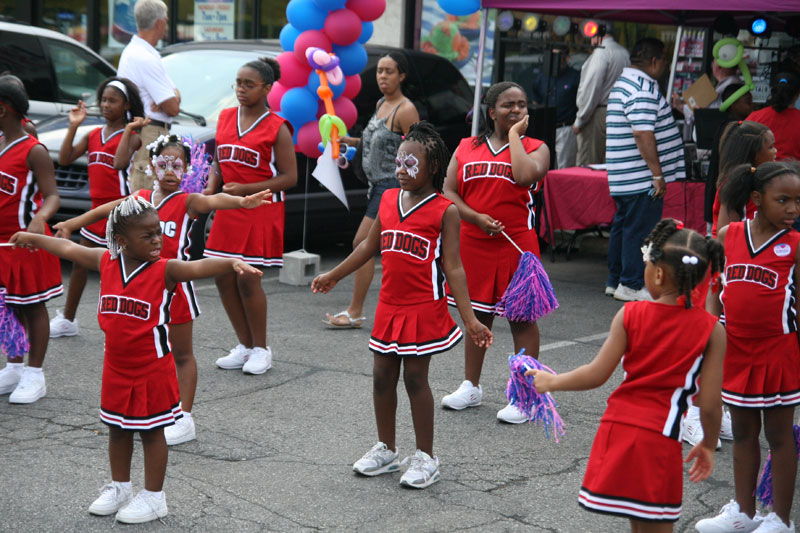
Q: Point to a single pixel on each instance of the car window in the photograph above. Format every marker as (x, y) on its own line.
(23, 56)
(78, 73)
(207, 91)
(447, 92)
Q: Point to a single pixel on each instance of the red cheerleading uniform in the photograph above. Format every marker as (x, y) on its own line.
(140, 386)
(762, 358)
(176, 229)
(640, 431)
(253, 235)
(412, 317)
(486, 184)
(105, 183)
(29, 277)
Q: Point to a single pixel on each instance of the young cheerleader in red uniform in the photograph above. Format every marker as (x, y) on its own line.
(416, 234)
(177, 211)
(254, 152)
(139, 390)
(28, 198)
(762, 360)
(635, 467)
(119, 102)
(491, 179)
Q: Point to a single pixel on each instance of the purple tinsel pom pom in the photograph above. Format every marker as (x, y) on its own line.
(13, 341)
(764, 487)
(201, 163)
(530, 294)
(541, 408)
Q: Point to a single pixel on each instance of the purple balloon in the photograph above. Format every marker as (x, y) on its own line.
(305, 15)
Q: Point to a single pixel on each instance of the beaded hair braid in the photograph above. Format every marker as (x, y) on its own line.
(687, 253)
(120, 218)
(436, 151)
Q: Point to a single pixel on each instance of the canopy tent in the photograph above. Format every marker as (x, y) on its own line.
(672, 12)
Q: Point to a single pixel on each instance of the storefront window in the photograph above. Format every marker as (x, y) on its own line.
(273, 18)
(214, 20)
(67, 17)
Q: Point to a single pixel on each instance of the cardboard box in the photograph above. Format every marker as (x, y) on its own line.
(700, 93)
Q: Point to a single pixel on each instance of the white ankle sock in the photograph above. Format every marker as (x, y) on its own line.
(35, 370)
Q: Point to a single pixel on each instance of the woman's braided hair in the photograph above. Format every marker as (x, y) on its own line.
(687, 254)
(436, 151)
(121, 217)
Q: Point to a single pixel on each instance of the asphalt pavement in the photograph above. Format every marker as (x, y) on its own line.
(274, 452)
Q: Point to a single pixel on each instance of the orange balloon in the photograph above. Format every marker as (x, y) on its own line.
(324, 92)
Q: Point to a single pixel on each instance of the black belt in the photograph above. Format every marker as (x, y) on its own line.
(562, 124)
(160, 124)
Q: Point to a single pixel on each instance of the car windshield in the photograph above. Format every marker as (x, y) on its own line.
(204, 78)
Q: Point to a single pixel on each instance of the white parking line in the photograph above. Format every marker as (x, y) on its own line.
(579, 340)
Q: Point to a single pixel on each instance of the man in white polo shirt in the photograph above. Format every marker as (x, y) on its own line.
(644, 152)
(141, 63)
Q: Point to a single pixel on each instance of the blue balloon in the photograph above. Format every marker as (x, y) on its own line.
(353, 58)
(287, 37)
(366, 32)
(330, 5)
(299, 106)
(313, 84)
(460, 7)
(305, 15)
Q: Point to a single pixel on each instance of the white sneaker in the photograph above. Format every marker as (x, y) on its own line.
(146, 506)
(378, 460)
(423, 470)
(773, 524)
(611, 290)
(61, 327)
(693, 429)
(10, 376)
(181, 431)
(113, 497)
(626, 294)
(729, 520)
(30, 388)
(259, 361)
(467, 395)
(510, 414)
(236, 358)
(726, 430)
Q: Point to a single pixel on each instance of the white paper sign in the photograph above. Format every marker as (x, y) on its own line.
(327, 173)
(214, 20)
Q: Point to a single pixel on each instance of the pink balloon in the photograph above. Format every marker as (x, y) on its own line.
(276, 93)
(308, 138)
(352, 86)
(293, 72)
(310, 38)
(346, 110)
(367, 10)
(343, 26)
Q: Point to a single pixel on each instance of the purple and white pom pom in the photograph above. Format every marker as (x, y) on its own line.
(529, 295)
(13, 341)
(764, 487)
(196, 176)
(541, 408)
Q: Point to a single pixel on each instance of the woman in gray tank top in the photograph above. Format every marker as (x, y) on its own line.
(394, 114)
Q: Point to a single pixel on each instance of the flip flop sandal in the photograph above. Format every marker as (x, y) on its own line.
(352, 323)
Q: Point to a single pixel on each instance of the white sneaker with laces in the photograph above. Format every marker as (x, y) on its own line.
(729, 520)
(146, 506)
(181, 431)
(259, 361)
(61, 327)
(10, 376)
(626, 294)
(378, 460)
(510, 414)
(726, 430)
(236, 358)
(772, 523)
(30, 388)
(609, 291)
(423, 470)
(693, 429)
(466, 395)
(113, 497)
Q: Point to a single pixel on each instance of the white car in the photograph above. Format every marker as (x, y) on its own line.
(57, 70)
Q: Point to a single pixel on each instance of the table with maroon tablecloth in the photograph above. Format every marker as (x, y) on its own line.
(577, 198)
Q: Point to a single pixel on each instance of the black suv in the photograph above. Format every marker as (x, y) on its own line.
(204, 71)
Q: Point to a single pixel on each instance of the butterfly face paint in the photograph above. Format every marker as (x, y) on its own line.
(407, 161)
(168, 163)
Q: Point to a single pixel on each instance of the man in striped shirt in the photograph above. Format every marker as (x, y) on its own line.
(644, 152)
